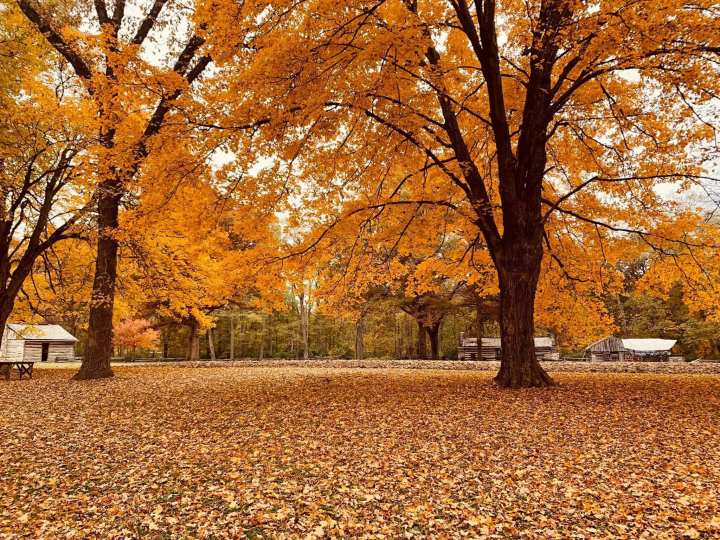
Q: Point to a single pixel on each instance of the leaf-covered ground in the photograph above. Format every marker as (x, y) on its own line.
(294, 452)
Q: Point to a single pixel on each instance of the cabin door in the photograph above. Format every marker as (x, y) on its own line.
(45, 350)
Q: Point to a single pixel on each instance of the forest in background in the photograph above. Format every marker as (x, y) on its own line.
(388, 332)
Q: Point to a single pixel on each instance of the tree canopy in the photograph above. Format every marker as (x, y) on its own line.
(337, 160)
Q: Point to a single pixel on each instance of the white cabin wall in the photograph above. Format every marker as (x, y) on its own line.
(3, 342)
(11, 347)
(15, 349)
(62, 351)
(33, 351)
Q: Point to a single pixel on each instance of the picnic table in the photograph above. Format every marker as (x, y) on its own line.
(24, 367)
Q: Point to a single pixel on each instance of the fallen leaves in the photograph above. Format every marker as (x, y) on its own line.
(310, 452)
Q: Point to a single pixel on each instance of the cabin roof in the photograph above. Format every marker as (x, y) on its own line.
(494, 343)
(42, 332)
(648, 344)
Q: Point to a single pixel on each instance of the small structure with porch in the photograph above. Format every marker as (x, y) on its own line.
(615, 349)
(545, 348)
(36, 343)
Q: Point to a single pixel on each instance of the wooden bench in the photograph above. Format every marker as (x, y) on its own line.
(24, 367)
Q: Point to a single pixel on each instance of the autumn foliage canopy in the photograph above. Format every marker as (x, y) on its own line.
(178, 161)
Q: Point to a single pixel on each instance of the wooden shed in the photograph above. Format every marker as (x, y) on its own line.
(37, 342)
(545, 348)
(613, 348)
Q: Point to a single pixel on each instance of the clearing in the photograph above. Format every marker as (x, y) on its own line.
(178, 452)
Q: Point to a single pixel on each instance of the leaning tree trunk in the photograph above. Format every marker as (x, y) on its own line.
(9, 293)
(433, 333)
(96, 361)
(5, 311)
(518, 276)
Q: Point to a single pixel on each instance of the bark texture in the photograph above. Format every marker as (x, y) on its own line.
(96, 361)
(519, 367)
(421, 341)
(433, 333)
(193, 349)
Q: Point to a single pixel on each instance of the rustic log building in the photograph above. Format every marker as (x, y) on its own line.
(37, 343)
(613, 348)
(545, 348)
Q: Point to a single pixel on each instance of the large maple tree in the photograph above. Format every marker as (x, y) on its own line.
(529, 112)
(133, 99)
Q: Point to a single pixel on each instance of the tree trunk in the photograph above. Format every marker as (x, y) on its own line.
(305, 330)
(479, 326)
(5, 311)
(193, 349)
(240, 344)
(211, 344)
(360, 338)
(165, 343)
(519, 368)
(398, 344)
(232, 338)
(433, 333)
(262, 340)
(96, 361)
(421, 342)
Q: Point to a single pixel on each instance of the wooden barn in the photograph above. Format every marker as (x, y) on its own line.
(545, 348)
(617, 349)
(37, 342)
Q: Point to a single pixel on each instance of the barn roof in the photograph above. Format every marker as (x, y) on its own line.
(649, 344)
(42, 332)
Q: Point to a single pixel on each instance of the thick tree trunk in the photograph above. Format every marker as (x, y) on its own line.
(421, 341)
(433, 333)
(193, 349)
(519, 367)
(96, 361)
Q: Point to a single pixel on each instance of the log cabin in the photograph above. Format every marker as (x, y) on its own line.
(545, 348)
(37, 343)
